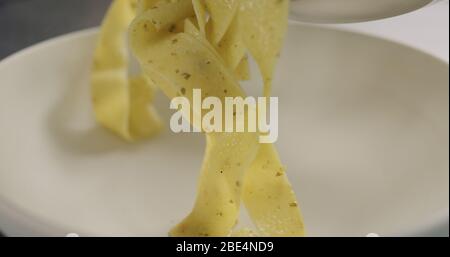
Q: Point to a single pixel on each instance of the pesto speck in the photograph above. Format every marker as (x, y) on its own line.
(186, 75)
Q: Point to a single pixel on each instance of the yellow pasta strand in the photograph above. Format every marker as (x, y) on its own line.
(217, 205)
(264, 23)
(121, 102)
(269, 198)
(183, 45)
(222, 14)
(242, 70)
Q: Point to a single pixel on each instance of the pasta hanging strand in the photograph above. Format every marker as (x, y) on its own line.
(209, 41)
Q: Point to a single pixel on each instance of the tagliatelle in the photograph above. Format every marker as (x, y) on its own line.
(183, 45)
(120, 100)
(264, 23)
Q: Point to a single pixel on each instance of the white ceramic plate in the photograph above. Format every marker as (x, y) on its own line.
(363, 131)
(344, 11)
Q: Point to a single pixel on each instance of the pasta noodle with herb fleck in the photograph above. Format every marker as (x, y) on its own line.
(182, 45)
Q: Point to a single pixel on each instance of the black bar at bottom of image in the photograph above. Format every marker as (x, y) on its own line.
(232, 246)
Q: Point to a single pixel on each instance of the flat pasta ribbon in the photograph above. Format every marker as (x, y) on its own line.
(182, 45)
(121, 101)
